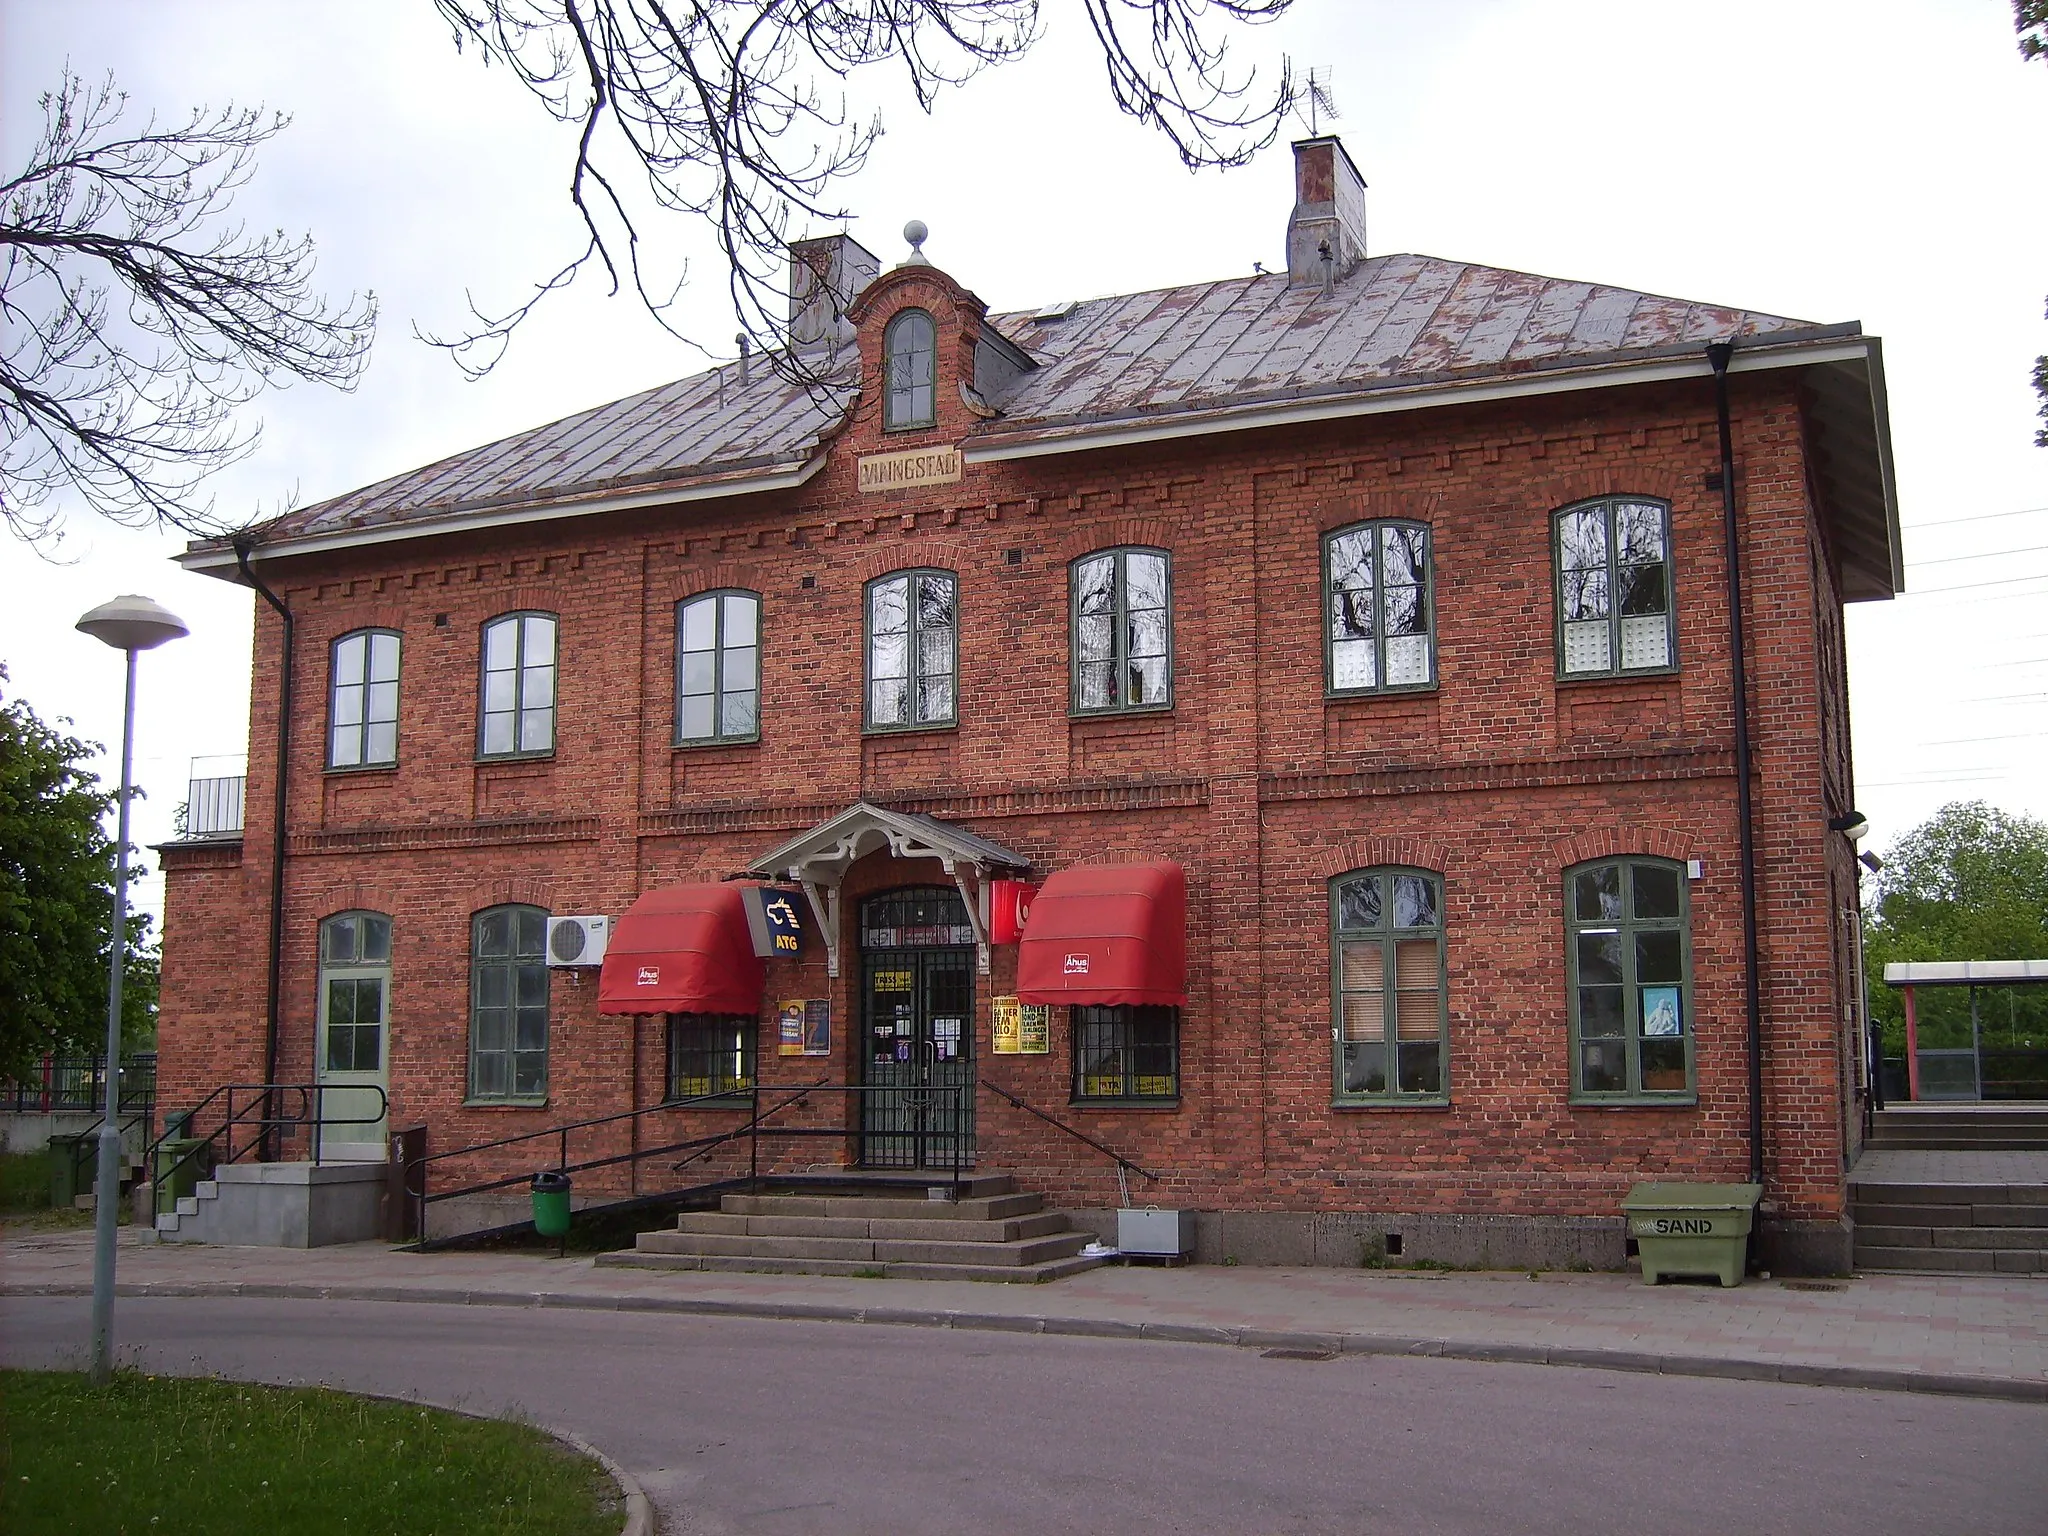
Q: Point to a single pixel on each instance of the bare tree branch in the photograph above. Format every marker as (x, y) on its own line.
(714, 109)
(134, 406)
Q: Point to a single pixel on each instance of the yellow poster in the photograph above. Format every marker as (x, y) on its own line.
(1005, 1026)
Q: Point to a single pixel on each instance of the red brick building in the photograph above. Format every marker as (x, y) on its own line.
(1382, 603)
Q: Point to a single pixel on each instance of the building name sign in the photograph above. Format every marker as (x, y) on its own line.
(912, 467)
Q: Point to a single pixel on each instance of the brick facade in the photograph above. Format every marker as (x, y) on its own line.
(1262, 786)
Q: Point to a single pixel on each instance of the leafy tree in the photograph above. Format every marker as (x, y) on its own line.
(57, 902)
(2030, 21)
(1971, 884)
(714, 109)
(138, 318)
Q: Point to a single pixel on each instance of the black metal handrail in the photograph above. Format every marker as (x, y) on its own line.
(752, 1131)
(1111, 1153)
(311, 1111)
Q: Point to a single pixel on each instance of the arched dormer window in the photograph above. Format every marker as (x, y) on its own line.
(909, 359)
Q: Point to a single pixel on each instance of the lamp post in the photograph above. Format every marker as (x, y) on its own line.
(128, 624)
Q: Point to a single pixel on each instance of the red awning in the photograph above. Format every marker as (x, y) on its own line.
(1106, 934)
(682, 949)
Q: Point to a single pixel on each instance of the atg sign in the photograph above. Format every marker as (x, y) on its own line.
(774, 921)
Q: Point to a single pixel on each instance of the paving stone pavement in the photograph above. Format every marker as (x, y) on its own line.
(1979, 1335)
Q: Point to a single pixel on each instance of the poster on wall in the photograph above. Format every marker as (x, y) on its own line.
(805, 1027)
(1018, 1028)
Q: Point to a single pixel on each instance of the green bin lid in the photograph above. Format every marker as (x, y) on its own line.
(1692, 1197)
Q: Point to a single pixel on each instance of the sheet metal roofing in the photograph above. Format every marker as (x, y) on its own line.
(1394, 321)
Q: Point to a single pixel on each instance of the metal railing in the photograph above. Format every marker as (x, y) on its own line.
(213, 807)
(756, 1128)
(265, 1107)
(78, 1085)
(1123, 1164)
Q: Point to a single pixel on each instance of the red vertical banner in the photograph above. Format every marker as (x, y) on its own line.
(1009, 909)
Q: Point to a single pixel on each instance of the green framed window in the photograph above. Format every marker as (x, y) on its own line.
(1122, 631)
(362, 703)
(710, 1053)
(910, 367)
(1126, 1054)
(1379, 623)
(355, 981)
(718, 667)
(508, 1004)
(1614, 588)
(518, 715)
(913, 650)
(1392, 1023)
(1629, 964)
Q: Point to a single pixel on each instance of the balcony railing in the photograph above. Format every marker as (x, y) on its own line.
(213, 807)
(78, 1085)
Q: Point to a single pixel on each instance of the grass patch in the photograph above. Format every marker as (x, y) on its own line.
(164, 1454)
(24, 1182)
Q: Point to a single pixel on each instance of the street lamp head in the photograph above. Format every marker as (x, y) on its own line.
(133, 624)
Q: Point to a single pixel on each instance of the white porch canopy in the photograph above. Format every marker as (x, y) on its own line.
(818, 860)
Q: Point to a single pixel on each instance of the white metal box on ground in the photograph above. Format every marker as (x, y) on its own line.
(1155, 1231)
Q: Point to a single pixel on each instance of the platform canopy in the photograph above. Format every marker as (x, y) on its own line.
(1963, 973)
(682, 949)
(819, 859)
(1107, 934)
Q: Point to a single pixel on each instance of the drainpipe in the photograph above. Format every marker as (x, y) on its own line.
(1718, 354)
(243, 545)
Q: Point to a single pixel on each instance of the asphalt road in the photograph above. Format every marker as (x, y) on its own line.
(789, 1427)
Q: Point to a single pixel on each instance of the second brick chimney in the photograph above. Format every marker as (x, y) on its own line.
(1329, 209)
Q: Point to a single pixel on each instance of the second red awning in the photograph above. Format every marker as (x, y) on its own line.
(682, 949)
(1107, 934)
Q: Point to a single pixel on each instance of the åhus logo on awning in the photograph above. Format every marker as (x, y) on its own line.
(650, 976)
(1077, 965)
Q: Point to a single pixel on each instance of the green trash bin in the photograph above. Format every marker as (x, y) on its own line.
(178, 1171)
(551, 1203)
(72, 1172)
(1692, 1229)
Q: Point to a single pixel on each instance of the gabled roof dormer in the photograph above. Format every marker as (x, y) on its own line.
(936, 364)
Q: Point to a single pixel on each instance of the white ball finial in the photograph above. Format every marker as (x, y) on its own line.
(916, 233)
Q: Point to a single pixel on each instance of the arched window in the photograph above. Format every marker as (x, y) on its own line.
(913, 656)
(1614, 588)
(1378, 608)
(1392, 1028)
(1629, 969)
(355, 982)
(1123, 631)
(718, 667)
(519, 686)
(362, 700)
(909, 361)
(508, 1004)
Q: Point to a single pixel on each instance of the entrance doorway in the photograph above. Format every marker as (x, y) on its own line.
(355, 982)
(917, 1030)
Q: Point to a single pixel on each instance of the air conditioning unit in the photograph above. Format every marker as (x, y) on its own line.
(578, 940)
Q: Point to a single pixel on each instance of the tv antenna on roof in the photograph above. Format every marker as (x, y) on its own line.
(1319, 98)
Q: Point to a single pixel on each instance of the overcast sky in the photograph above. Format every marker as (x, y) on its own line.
(1826, 159)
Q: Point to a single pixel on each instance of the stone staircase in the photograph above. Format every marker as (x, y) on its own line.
(878, 1228)
(1957, 1128)
(1953, 1189)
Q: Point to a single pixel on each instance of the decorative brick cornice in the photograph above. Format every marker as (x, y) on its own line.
(1545, 773)
(445, 834)
(989, 805)
(212, 853)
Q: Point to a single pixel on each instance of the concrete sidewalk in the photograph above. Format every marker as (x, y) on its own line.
(1978, 1335)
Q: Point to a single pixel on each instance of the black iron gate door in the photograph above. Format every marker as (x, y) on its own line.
(917, 1022)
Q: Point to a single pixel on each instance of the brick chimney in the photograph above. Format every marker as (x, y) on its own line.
(1329, 207)
(825, 276)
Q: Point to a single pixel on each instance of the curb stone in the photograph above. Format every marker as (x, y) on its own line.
(1790, 1373)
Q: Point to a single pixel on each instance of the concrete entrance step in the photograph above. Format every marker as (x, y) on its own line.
(869, 1269)
(1952, 1261)
(882, 1208)
(865, 1250)
(956, 1229)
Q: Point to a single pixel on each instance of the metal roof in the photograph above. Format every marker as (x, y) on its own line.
(1959, 973)
(1176, 359)
(828, 849)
